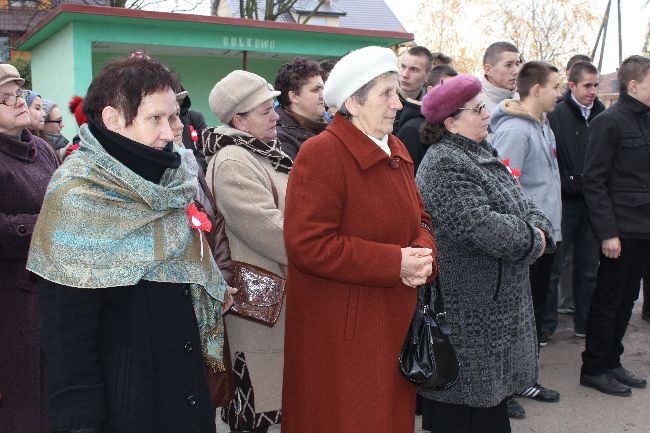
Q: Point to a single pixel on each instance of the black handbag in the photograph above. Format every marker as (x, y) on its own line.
(428, 359)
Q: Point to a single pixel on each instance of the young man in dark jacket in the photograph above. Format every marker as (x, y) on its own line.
(412, 118)
(570, 124)
(616, 186)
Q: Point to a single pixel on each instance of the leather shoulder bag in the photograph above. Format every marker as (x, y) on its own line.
(428, 358)
(260, 292)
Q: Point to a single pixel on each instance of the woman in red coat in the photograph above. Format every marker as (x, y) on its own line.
(358, 243)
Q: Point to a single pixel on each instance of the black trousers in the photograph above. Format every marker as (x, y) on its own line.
(617, 287)
(646, 290)
(540, 275)
(458, 418)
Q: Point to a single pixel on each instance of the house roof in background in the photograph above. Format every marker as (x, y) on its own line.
(359, 14)
(67, 13)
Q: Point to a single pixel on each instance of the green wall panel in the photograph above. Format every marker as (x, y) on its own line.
(53, 73)
(199, 74)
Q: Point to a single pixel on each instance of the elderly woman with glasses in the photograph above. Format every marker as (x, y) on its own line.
(488, 233)
(359, 243)
(26, 166)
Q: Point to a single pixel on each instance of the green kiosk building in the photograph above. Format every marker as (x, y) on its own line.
(72, 43)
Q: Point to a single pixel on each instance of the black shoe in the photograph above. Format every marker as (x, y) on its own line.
(605, 383)
(628, 378)
(645, 315)
(539, 393)
(515, 410)
(543, 339)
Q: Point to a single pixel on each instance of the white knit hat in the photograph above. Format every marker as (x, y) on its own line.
(355, 70)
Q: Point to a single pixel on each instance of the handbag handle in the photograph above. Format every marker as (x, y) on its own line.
(439, 303)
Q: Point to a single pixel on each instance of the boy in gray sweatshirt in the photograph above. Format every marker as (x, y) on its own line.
(525, 142)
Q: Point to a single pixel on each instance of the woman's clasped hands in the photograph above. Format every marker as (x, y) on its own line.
(417, 265)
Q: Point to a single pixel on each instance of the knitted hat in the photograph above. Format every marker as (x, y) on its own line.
(31, 95)
(448, 96)
(47, 106)
(239, 92)
(355, 70)
(9, 73)
(75, 108)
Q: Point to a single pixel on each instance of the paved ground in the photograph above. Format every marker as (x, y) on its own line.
(580, 409)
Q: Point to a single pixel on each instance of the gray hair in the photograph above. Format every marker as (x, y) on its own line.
(361, 95)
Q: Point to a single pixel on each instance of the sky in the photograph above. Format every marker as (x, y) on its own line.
(634, 16)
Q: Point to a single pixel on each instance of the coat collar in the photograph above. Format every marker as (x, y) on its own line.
(632, 104)
(23, 149)
(362, 148)
(596, 109)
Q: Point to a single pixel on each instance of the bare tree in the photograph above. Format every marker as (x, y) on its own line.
(547, 30)
(441, 30)
(646, 45)
(273, 9)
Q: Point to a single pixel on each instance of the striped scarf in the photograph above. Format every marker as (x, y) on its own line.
(120, 228)
(222, 136)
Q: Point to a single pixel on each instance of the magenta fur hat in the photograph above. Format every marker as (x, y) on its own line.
(447, 97)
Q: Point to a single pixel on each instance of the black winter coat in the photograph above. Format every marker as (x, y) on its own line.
(409, 131)
(291, 134)
(197, 120)
(124, 359)
(616, 181)
(571, 132)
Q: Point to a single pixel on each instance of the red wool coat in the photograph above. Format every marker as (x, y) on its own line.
(348, 213)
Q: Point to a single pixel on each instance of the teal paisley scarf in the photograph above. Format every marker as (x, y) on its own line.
(120, 228)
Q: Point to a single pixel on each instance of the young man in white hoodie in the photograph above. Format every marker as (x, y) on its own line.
(525, 142)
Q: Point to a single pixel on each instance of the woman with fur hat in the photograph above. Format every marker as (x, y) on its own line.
(247, 173)
(359, 243)
(484, 223)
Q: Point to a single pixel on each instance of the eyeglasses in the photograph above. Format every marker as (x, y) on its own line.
(60, 121)
(477, 109)
(11, 100)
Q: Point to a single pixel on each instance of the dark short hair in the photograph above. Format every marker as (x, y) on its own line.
(421, 51)
(292, 76)
(578, 70)
(122, 83)
(440, 59)
(493, 52)
(531, 74)
(432, 133)
(327, 66)
(577, 59)
(439, 72)
(633, 68)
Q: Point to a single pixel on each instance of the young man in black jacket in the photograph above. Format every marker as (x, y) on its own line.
(616, 186)
(412, 118)
(570, 122)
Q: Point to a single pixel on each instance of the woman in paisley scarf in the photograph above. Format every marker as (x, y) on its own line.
(248, 173)
(131, 298)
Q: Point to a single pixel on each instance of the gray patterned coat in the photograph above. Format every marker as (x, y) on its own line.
(486, 241)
